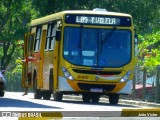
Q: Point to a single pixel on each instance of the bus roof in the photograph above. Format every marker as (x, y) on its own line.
(60, 15)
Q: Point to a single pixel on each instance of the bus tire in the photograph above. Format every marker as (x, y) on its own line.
(57, 96)
(37, 93)
(46, 95)
(86, 98)
(51, 77)
(113, 98)
(95, 98)
(2, 93)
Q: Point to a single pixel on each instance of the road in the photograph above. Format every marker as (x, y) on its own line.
(68, 108)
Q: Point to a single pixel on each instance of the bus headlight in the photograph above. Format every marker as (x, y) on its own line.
(126, 77)
(67, 74)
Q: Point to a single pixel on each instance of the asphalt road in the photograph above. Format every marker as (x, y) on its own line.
(70, 109)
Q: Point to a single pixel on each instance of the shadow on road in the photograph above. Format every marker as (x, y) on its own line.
(99, 103)
(8, 102)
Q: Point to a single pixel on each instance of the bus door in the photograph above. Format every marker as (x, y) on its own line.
(39, 56)
(28, 59)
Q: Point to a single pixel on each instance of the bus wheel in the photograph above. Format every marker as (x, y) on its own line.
(51, 77)
(113, 99)
(95, 98)
(57, 96)
(46, 95)
(37, 93)
(86, 98)
(2, 93)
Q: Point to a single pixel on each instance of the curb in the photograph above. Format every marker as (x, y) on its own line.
(121, 101)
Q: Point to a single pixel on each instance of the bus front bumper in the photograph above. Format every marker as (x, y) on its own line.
(103, 88)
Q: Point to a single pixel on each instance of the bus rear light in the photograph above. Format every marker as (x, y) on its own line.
(67, 74)
(126, 77)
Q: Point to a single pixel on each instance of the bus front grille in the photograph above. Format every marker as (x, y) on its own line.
(88, 87)
(98, 72)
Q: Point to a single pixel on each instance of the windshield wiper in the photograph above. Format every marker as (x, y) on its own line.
(108, 35)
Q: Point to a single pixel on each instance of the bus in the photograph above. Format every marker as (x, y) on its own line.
(86, 52)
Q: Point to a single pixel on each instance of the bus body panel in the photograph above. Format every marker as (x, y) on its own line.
(127, 88)
(47, 67)
(64, 85)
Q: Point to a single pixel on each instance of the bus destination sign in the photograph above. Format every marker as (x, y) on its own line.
(97, 20)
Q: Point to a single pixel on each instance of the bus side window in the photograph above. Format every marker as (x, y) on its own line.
(48, 36)
(30, 43)
(51, 34)
(38, 38)
(52, 37)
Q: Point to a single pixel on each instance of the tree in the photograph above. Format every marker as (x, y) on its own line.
(149, 52)
(145, 12)
(15, 17)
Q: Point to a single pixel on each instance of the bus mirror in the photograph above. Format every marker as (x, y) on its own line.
(136, 44)
(136, 39)
(59, 25)
(58, 35)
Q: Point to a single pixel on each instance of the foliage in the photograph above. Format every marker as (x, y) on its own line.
(19, 54)
(15, 18)
(145, 12)
(150, 52)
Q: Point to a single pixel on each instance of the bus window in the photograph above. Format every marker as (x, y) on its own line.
(52, 38)
(87, 50)
(38, 37)
(51, 34)
(48, 36)
(116, 51)
(30, 43)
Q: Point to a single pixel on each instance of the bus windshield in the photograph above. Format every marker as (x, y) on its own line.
(97, 47)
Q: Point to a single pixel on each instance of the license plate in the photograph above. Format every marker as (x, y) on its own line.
(96, 90)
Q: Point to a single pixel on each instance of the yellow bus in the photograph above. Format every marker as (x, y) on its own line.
(91, 53)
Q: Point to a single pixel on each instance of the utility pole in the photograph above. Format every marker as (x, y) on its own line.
(134, 84)
(144, 84)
